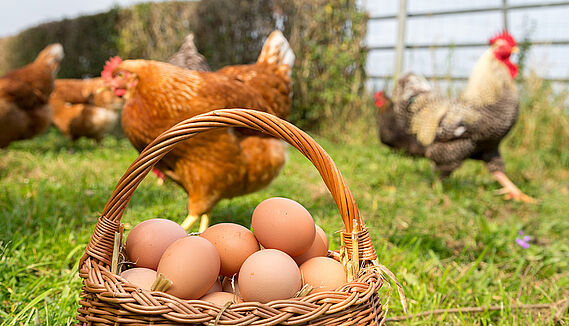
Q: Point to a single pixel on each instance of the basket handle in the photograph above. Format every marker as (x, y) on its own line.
(101, 244)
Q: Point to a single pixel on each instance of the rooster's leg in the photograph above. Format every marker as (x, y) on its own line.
(441, 173)
(510, 189)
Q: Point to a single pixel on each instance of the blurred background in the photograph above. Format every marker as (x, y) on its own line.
(345, 48)
(443, 39)
(327, 36)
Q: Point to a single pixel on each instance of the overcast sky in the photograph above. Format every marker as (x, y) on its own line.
(18, 15)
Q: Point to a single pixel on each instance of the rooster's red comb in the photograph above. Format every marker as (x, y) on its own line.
(110, 65)
(504, 35)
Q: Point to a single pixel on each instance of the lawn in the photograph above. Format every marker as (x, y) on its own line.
(450, 245)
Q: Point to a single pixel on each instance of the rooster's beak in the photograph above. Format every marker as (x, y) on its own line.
(515, 49)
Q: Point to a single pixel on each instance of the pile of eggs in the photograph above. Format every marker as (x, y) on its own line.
(226, 263)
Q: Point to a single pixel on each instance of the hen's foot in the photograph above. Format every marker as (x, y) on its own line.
(191, 219)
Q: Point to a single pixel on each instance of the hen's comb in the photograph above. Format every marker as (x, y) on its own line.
(110, 65)
(504, 35)
(379, 99)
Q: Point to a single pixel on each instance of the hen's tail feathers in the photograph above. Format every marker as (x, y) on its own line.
(276, 50)
(51, 55)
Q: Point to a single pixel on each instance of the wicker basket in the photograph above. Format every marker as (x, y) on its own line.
(107, 299)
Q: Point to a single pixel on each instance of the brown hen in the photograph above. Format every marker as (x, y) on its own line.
(24, 96)
(217, 164)
(84, 108)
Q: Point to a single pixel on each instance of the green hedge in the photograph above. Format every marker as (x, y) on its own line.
(329, 73)
(154, 30)
(326, 37)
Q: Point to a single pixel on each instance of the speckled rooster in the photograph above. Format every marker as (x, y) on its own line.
(449, 131)
(218, 164)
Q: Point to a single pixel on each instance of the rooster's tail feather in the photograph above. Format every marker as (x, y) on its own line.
(276, 50)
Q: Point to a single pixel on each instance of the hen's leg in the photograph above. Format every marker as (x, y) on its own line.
(204, 223)
(510, 190)
(191, 219)
(198, 207)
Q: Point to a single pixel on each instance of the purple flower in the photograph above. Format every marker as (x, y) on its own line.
(524, 241)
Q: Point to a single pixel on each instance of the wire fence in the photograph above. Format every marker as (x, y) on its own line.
(443, 39)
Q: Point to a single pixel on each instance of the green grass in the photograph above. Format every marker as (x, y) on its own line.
(452, 246)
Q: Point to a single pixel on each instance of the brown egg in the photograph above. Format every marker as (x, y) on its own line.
(147, 241)
(269, 275)
(192, 264)
(216, 287)
(283, 224)
(319, 247)
(234, 243)
(140, 276)
(221, 298)
(231, 285)
(323, 274)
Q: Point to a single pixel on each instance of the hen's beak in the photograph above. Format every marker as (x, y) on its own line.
(515, 49)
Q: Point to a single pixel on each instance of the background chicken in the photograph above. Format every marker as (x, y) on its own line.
(452, 130)
(84, 108)
(24, 95)
(188, 56)
(217, 164)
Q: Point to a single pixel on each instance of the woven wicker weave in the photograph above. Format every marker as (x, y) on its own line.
(107, 299)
